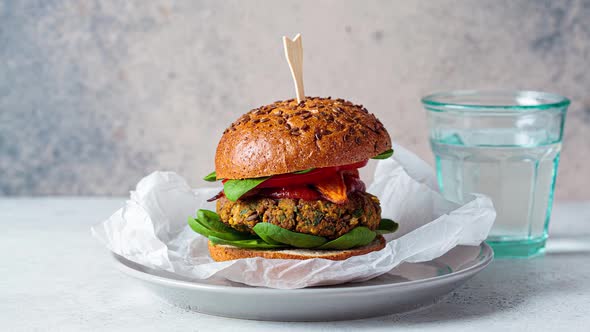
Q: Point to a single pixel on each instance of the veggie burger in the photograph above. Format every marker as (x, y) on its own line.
(291, 186)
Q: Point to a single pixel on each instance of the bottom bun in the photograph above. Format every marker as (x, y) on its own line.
(222, 252)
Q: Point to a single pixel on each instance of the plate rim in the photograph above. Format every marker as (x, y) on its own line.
(485, 251)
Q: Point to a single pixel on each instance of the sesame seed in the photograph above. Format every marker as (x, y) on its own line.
(317, 135)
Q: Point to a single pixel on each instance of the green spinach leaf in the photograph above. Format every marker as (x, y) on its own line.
(211, 177)
(264, 235)
(387, 226)
(357, 237)
(384, 155)
(203, 230)
(298, 240)
(211, 221)
(234, 189)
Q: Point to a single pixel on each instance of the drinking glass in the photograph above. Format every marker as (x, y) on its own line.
(504, 144)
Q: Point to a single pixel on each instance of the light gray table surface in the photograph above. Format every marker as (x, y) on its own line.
(55, 277)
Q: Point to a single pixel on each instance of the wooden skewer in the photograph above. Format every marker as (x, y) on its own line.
(294, 54)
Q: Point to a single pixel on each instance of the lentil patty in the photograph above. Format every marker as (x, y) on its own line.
(319, 217)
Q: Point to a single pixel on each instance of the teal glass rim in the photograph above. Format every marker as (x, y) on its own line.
(496, 101)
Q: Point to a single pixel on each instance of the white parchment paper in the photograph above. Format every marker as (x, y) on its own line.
(151, 229)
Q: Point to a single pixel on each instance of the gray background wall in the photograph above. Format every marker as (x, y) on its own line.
(96, 94)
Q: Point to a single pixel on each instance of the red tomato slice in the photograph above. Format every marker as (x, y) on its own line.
(297, 185)
(317, 175)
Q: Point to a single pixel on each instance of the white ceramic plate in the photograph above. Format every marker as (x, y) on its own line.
(407, 287)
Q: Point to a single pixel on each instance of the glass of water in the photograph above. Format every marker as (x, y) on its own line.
(504, 144)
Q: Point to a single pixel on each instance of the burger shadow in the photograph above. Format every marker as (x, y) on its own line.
(504, 286)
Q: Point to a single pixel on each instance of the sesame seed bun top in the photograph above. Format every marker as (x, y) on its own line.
(287, 136)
